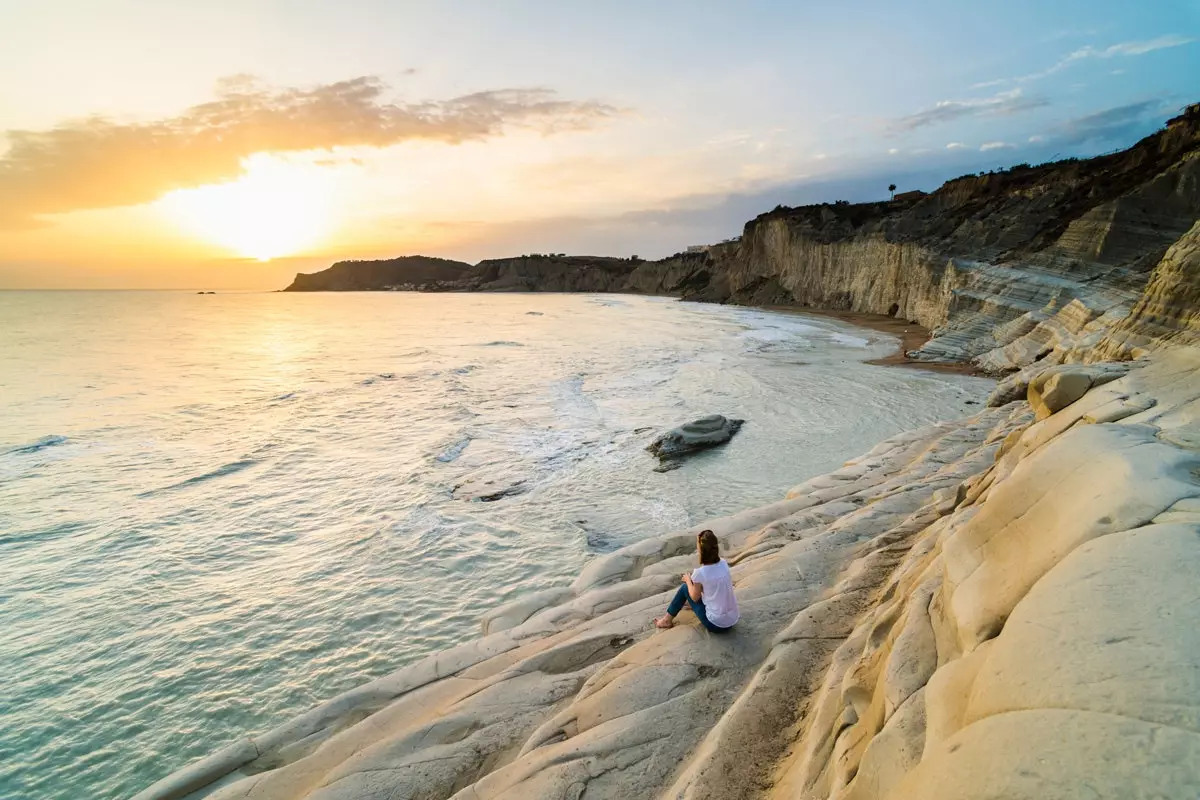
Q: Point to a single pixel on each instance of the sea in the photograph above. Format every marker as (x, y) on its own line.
(218, 510)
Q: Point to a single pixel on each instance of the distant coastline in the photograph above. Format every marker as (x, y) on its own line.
(980, 262)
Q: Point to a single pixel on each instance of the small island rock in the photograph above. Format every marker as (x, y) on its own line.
(696, 435)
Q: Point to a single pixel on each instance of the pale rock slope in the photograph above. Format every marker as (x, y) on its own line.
(1003, 606)
(1166, 315)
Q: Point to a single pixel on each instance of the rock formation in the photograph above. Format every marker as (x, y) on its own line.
(696, 435)
(408, 272)
(1001, 606)
(1006, 268)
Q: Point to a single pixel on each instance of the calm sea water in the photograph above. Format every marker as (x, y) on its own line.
(219, 510)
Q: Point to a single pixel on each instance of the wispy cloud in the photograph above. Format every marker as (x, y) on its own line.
(98, 163)
(986, 146)
(1133, 48)
(990, 84)
(1112, 51)
(1118, 123)
(956, 146)
(1012, 101)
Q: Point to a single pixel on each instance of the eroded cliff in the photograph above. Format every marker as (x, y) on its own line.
(1005, 268)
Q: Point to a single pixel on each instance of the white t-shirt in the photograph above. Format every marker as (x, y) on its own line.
(720, 606)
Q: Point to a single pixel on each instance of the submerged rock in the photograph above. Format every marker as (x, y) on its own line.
(699, 434)
(487, 490)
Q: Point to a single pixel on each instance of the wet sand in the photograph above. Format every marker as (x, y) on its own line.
(910, 334)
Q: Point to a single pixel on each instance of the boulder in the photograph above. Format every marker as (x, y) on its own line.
(1057, 391)
(1059, 386)
(696, 435)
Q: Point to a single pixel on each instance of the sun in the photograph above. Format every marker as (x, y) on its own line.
(277, 208)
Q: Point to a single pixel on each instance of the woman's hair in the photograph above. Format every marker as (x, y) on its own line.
(709, 549)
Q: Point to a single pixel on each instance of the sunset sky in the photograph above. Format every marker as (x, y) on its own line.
(232, 144)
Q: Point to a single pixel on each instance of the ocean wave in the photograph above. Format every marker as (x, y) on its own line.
(383, 376)
(38, 444)
(219, 472)
(502, 343)
(452, 452)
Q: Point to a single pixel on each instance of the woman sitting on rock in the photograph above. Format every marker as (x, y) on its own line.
(708, 589)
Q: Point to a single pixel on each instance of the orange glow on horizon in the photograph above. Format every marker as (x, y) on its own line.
(278, 208)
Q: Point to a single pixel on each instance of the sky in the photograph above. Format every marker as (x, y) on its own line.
(232, 144)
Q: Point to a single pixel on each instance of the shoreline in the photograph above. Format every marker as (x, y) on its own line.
(912, 336)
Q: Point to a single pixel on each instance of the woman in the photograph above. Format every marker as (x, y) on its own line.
(708, 589)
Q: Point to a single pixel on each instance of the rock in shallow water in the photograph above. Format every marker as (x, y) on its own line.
(696, 435)
(484, 490)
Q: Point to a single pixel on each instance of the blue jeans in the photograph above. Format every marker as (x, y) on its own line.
(681, 597)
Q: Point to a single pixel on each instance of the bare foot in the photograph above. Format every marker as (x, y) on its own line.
(665, 621)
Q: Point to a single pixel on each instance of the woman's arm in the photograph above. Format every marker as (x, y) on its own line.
(695, 590)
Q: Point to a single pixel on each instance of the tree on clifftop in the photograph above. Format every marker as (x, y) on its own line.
(892, 189)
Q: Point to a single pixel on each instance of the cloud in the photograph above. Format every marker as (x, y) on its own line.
(1037, 138)
(986, 146)
(956, 146)
(990, 84)
(1012, 101)
(1112, 51)
(1134, 48)
(1118, 123)
(893, 151)
(99, 163)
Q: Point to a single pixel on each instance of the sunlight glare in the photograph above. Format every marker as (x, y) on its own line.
(278, 208)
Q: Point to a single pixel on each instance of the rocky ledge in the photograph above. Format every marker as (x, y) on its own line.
(1001, 606)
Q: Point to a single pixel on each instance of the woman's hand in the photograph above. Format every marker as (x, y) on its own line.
(687, 578)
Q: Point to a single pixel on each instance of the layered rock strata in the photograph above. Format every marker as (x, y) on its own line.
(999, 606)
(1006, 268)
(698, 434)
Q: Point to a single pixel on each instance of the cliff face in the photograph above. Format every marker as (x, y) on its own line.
(1001, 606)
(1168, 312)
(355, 276)
(546, 273)
(1008, 269)
(981, 261)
